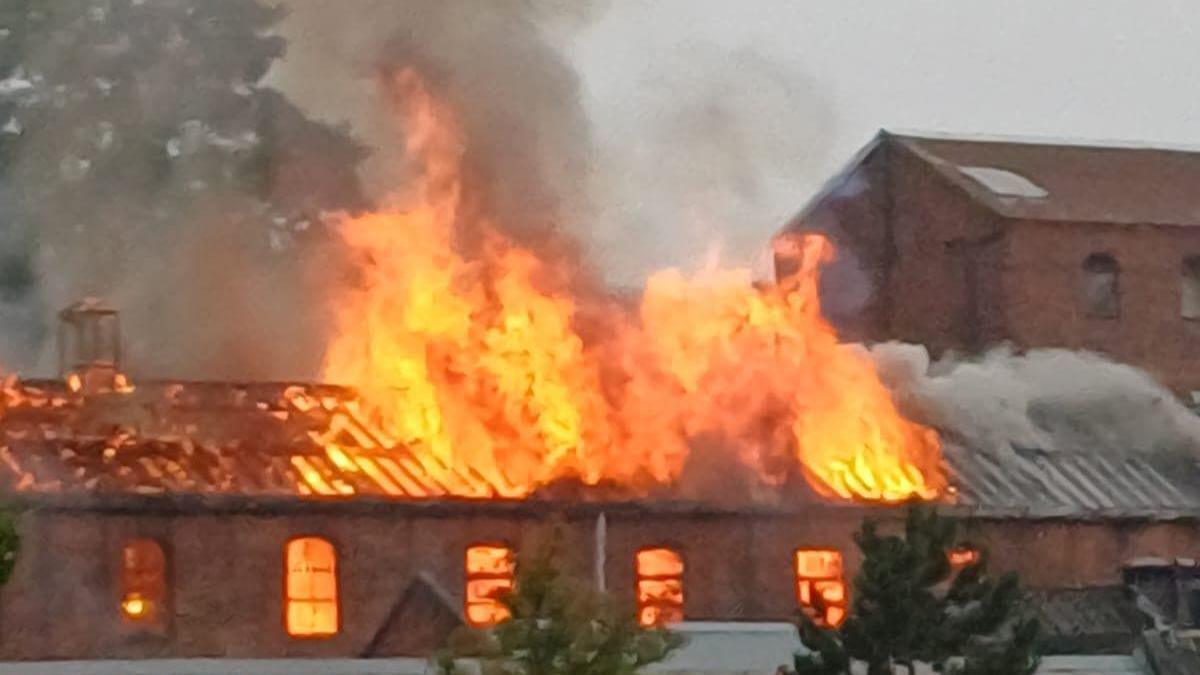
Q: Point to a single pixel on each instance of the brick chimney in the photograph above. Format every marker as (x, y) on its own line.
(89, 347)
(787, 250)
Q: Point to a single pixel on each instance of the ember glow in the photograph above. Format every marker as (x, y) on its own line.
(133, 606)
(465, 349)
(490, 573)
(659, 586)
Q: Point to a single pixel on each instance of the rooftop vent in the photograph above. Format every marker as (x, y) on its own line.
(89, 346)
(1004, 182)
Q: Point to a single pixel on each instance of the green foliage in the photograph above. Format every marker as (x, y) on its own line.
(910, 605)
(121, 104)
(10, 544)
(140, 148)
(560, 625)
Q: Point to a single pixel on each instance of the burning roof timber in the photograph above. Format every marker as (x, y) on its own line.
(172, 437)
(307, 441)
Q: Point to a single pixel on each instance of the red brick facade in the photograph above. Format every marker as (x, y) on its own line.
(951, 265)
(226, 573)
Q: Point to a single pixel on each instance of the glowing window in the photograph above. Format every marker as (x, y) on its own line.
(659, 586)
(143, 582)
(489, 576)
(1101, 286)
(312, 601)
(962, 557)
(820, 588)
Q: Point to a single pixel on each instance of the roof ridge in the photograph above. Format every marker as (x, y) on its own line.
(1039, 140)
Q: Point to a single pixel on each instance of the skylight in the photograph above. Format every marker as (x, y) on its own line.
(1004, 182)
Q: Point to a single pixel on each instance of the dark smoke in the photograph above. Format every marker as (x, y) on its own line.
(210, 240)
(528, 143)
(527, 137)
(701, 148)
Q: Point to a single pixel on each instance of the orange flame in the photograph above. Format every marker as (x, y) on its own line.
(475, 362)
(133, 606)
(659, 586)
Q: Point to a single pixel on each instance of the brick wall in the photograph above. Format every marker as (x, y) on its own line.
(854, 215)
(226, 570)
(937, 231)
(948, 273)
(1043, 280)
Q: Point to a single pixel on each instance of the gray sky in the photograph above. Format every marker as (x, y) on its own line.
(1081, 68)
(715, 119)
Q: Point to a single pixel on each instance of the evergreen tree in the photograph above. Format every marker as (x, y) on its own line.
(910, 605)
(10, 543)
(559, 625)
(132, 131)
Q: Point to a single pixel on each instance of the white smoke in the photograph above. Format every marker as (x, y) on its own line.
(702, 152)
(1047, 399)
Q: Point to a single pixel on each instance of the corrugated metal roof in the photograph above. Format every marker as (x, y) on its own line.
(1039, 483)
(1089, 620)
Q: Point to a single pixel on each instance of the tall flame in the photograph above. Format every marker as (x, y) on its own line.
(476, 365)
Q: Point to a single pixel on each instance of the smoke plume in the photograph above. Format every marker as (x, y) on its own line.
(699, 151)
(1046, 399)
(703, 155)
(526, 136)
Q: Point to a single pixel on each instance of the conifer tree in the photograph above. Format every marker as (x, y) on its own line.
(140, 142)
(10, 543)
(910, 605)
(559, 625)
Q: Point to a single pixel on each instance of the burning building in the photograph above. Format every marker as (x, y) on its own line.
(712, 454)
(280, 519)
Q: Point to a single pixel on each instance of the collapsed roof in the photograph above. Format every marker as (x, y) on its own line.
(310, 441)
(200, 438)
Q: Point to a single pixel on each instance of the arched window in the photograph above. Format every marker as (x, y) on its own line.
(312, 597)
(820, 588)
(143, 583)
(659, 586)
(1189, 297)
(1101, 286)
(489, 575)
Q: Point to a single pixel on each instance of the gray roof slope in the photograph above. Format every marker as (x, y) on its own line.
(1091, 620)
(1172, 654)
(1092, 665)
(1035, 483)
